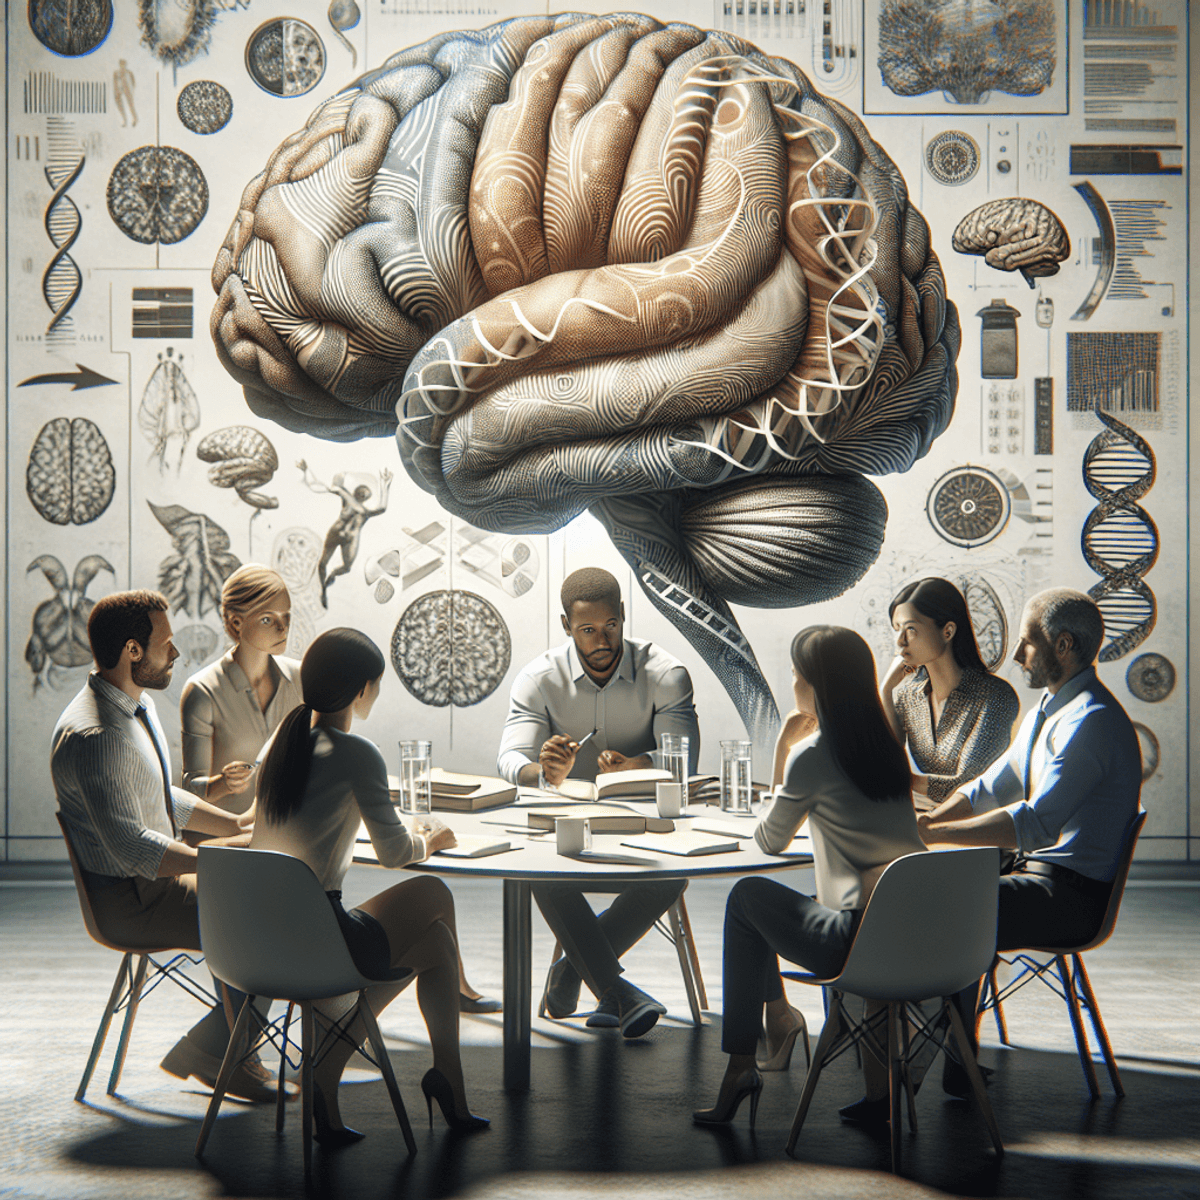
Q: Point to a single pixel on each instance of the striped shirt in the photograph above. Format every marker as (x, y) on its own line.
(109, 781)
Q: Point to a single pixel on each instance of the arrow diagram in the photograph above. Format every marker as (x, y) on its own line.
(81, 378)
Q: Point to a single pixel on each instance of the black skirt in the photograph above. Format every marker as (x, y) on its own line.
(366, 939)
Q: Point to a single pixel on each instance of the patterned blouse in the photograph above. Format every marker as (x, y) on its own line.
(975, 728)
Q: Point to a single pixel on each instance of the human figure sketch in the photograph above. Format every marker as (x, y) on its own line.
(123, 85)
(345, 532)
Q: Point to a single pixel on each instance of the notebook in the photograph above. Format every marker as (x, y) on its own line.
(686, 845)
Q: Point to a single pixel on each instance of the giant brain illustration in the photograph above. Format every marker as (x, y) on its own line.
(602, 263)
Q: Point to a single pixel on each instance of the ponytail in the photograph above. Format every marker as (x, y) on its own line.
(284, 773)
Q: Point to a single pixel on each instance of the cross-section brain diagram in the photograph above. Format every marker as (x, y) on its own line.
(603, 263)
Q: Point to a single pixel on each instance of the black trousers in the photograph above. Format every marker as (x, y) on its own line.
(1041, 910)
(765, 920)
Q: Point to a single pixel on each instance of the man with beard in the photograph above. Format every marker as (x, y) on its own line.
(112, 776)
(625, 694)
(1063, 797)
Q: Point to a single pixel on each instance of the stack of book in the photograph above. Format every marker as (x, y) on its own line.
(453, 792)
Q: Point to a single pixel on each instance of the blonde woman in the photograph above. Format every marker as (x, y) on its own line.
(230, 709)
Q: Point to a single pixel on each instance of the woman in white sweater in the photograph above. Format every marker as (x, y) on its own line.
(849, 778)
(317, 781)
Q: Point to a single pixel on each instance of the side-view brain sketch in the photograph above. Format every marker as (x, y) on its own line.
(601, 263)
(243, 459)
(1015, 235)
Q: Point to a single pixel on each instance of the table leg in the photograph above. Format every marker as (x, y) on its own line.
(518, 992)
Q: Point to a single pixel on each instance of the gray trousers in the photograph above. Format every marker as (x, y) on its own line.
(594, 944)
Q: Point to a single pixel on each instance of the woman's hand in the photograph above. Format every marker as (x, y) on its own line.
(797, 725)
(895, 673)
(437, 834)
(236, 776)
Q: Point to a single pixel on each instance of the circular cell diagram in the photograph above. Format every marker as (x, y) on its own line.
(70, 479)
(204, 106)
(285, 57)
(1148, 744)
(70, 27)
(1150, 677)
(451, 647)
(952, 157)
(157, 194)
(968, 506)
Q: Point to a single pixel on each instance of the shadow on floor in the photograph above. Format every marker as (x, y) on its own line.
(608, 1118)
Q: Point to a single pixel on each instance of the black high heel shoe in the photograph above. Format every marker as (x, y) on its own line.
(750, 1084)
(324, 1133)
(437, 1087)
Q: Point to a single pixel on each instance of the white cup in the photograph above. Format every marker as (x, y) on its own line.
(669, 797)
(572, 835)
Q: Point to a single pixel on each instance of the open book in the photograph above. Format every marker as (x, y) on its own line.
(604, 818)
(686, 845)
(626, 785)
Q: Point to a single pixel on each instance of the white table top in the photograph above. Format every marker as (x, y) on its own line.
(535, 858)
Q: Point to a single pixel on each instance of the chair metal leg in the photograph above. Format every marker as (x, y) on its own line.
(829, 1035)
(906, 1048)
(233, 1055)
(693, 955)
(281, 1093)
(966, 1054)
(306, 1082)
(135, 998)
(680, 938)
(998, 1004)
(1081, 1042)
(124, 972)
(1084, 984)
(895, 1079)
(385, 1066)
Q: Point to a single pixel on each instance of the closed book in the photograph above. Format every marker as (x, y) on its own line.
(604, 818)
(476, 847)
(686, 845)
(454, 792)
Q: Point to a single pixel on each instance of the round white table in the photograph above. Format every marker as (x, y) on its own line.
(534, 859)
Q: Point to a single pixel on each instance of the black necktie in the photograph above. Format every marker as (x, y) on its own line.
(1038, 722)
(144, 716)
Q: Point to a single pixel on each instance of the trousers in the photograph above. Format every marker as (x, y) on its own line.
(764, 920)
(594, 944)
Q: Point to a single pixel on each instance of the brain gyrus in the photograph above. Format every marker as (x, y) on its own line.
(599, 262)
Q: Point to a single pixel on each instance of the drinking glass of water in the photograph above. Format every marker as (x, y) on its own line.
(675, 759)
(416, 794)
(736, 792)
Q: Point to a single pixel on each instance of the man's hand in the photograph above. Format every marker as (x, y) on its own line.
(611, 760)
(556, 758)
(241, 838)
(437, 834)
(237, 776)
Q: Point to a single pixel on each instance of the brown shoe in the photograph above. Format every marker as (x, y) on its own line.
(250, 1080)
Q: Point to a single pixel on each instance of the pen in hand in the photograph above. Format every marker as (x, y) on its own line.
(583, 741)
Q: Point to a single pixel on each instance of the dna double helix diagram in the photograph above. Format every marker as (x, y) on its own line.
(1120, 539)
(61, 281)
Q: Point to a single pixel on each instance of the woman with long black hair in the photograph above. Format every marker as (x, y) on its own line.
(317, 782)
(954, 715)
(849, 778)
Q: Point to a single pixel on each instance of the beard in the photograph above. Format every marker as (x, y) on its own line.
(146, 676)
(1044, 671)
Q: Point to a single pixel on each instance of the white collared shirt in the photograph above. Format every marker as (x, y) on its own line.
(109, 781)
(1085, 776)
(649, 694)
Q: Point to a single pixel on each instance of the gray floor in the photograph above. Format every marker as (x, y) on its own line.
(604, 1118)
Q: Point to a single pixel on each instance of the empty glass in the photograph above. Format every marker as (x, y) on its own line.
(736, 762)
(416, 759)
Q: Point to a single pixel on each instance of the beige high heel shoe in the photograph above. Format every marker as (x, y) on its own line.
(782, 1058)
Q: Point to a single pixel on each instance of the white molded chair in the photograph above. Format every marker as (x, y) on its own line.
(929, 930)
(267, 929)
(134, 981)
(1072, 982)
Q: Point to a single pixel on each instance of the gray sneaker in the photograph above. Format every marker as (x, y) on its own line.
(562, 990)
(607, 1014)
(639, 1011)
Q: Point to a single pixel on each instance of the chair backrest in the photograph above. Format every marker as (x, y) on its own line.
(929, 928)
(85, 901)
(267, 927)
(1118, 890)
